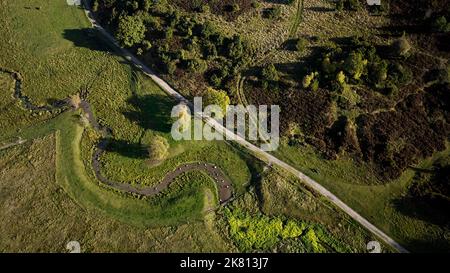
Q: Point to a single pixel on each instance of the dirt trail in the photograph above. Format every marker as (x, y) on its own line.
(256, 151)
(224, 185)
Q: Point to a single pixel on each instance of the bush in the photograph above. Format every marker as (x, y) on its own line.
(131, 30)
(171, 67)
(158, 149)
(270, 73)
(315, 85)
(272, 13)
(301, 44)
(378, 72)
(216, 97)
(440, 24)
(401, 47)
(147, 45)
(308, 79)
(355, 64)
(235, 7)
(255, 4)
(197, 66)
(209, 50)
(235, 48)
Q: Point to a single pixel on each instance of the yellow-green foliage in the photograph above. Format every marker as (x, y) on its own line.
(307, 80)
(292, 229)
(341, 78)
(312, 240)
(252, 232)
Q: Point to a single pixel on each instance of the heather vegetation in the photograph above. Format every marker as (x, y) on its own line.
(364, 95)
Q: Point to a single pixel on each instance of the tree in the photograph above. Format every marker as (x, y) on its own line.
(315, 85)
(216, 97)
(341, 78)
(182, 118)
(401, 47)
(147, 45)
(95, 6)
(378, 71)
(235, 48)
(158, 149)
(440, 24)
(273, 13)
(301, 44)
(131, 30)
(355, 64)
(308, 79)
(197, 65)
(270, 73)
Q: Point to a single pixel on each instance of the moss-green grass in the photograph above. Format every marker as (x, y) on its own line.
(37, 214)
(182, 203)
(51, 48)
(357, 186)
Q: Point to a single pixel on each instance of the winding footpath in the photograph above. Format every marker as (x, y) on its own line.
(223, 183)
(262, 155)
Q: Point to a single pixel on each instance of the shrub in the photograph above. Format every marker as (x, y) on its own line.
(272, 13)
(171, 67)
(355, 64)
(215, 80)
(300, 45)
(308, 79)
(216, 97)
(235, 7)
(401, 47)
(197, 65)
(209, 50)
(131, 31)
(235, 48)
(147, 45)
(255, 4)
(328, 67)
(158, 149)
(315, 85)
(378, 72)
(270, 73)
(440, 24)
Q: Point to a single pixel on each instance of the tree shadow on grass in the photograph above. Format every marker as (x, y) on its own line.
(152, 112)
(86, 38)
(127, 149)
(412, 207)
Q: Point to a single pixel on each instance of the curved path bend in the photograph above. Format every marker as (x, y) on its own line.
(257, 152)
(223, 183)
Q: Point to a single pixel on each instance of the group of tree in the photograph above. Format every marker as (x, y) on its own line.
(359, 63)
(440, 24)
(175, 41)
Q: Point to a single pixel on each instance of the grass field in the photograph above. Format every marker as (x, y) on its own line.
(135, 119)
(361, 190)
(66, 59)
(39, 216)
(58, 56)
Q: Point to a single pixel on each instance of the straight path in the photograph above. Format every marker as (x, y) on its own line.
(262, 155)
